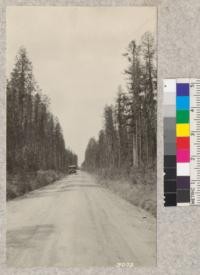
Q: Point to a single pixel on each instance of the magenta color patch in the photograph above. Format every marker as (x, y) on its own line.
(183, 155)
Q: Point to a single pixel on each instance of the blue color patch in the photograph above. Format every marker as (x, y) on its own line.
(182, 103)
(182, 89)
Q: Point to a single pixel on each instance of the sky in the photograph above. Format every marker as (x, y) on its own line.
(77, 59)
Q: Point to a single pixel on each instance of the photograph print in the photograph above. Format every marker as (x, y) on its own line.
(81, 136)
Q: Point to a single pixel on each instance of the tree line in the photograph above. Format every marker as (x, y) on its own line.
(128, 137)
(34, 136)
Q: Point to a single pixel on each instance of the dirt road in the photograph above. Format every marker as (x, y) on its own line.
(77, 223)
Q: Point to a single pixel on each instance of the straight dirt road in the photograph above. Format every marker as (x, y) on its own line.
(77, 223)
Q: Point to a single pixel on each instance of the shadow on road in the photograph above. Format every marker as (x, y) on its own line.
(21, 238)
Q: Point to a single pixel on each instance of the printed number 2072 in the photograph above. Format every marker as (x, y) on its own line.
(125, 264)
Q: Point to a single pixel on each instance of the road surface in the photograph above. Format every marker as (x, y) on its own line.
(75, 222)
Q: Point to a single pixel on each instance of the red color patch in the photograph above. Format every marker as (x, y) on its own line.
(183, 142)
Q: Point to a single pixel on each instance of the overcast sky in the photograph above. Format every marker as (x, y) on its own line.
(77, 59)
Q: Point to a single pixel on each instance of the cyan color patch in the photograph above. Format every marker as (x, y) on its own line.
(182, 103)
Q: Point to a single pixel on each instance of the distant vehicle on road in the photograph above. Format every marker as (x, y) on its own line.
(72, 169)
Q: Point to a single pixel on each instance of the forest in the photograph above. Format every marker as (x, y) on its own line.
(36, 150)
(126, 144)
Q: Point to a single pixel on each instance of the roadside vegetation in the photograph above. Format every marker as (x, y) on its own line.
(36, 150)
(138, 188)
(124, 155)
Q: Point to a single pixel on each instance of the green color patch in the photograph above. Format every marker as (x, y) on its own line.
(182, 116)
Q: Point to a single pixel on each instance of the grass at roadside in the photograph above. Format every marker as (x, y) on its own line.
(136, 189)
(19, 184)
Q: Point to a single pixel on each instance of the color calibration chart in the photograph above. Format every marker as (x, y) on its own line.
(181, 142)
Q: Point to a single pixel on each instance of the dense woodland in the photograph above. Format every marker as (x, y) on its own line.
(128, 138)
(34, 136)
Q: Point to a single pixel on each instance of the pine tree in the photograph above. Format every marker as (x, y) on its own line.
(34, 137)
(128, 137)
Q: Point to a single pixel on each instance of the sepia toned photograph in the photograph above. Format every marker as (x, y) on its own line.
(81, 136)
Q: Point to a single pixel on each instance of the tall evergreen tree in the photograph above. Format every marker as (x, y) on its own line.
(34, 137)
(128, 138)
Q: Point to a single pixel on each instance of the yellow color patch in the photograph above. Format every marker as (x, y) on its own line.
(183, 130)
